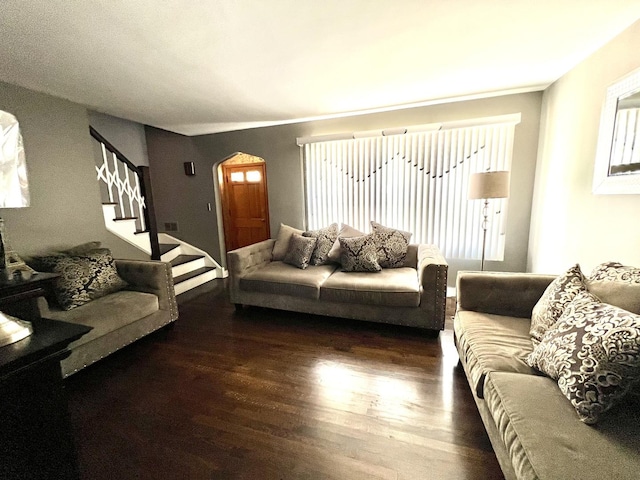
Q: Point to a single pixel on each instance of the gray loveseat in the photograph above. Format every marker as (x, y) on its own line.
(533, 428)
(120, 318)
(413, 295)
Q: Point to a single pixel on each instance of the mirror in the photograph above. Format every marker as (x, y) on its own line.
(617, 168)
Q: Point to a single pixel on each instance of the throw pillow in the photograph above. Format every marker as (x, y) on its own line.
(593, 351)
(359, 254)
(300, 250)
(325, 237)
(85, 277)
(616, 284)
(345, 232)
(392, 245)
(281, 246)
(554, 300)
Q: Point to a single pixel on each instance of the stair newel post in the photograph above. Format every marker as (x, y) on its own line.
(149, 211)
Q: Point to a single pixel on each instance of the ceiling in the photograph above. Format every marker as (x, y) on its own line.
(197, 66)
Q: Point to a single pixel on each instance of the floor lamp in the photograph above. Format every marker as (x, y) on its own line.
(14, 193)
(483, 186)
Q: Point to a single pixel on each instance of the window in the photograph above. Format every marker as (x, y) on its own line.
(253, 176)
(412, 180)
(237, 176)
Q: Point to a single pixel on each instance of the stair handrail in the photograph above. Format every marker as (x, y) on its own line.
(142, 185)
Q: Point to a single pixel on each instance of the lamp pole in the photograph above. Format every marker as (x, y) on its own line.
(485, 212)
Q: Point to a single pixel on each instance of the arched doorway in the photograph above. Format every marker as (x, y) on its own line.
(244, 198)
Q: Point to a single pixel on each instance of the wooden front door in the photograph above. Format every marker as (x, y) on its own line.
(245, 204)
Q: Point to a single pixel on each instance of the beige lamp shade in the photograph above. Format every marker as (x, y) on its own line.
(489, 185)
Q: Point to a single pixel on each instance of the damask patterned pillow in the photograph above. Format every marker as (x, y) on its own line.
(392, 245)
(299, 251)
(593, 351)
(85, 277)
(346, 231)
(554, 300)
(616, 284)
(359, 254)
(326, 237)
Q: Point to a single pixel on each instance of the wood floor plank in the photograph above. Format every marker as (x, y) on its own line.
(276, 395)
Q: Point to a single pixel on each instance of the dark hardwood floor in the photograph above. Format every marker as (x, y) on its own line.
(274, 395)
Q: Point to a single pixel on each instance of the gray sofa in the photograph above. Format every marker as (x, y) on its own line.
(120, 318)
(413, 295)
(533, 428)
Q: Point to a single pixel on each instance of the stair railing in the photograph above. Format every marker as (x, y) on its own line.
(128, 186)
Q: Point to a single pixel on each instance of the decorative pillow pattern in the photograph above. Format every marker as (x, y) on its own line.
(326, 237)
(594, 353)
(300, 250)
(392, 245)
(617, 285)
(281, 246)
(85, 278)
(346, 231)
(359, 254)
(554, 300)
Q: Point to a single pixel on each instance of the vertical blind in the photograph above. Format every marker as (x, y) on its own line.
(416, 182)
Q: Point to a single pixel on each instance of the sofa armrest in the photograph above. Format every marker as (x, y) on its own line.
(432, 274)
(150, 276)
(501, 293)
(247, 259)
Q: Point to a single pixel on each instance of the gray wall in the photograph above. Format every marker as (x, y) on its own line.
(569, 223)
(65, 201)
(128, 137)
(182, 199)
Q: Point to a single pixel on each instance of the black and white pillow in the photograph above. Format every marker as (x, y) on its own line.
(84, 278)
(326, 237)
(554, 300)
(299, 251)
(392, 245)
(359, 254)
(593, 351)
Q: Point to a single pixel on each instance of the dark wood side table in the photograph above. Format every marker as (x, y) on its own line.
(36, 441)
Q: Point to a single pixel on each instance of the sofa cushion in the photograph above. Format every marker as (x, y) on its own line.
(395, 288)
(488, 343)
(300, 250)
(392, 245)
(545, 439)
(554, 300)
(325, 237)
(359, 254)
(593, 351)
(282, 241)
(617, 285)
(283, 279)
(108, 313)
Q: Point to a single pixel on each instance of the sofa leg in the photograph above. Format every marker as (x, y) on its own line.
(238, 306)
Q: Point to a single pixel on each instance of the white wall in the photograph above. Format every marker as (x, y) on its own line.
(568, 223)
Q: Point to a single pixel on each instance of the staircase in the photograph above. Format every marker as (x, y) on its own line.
(128, 214)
